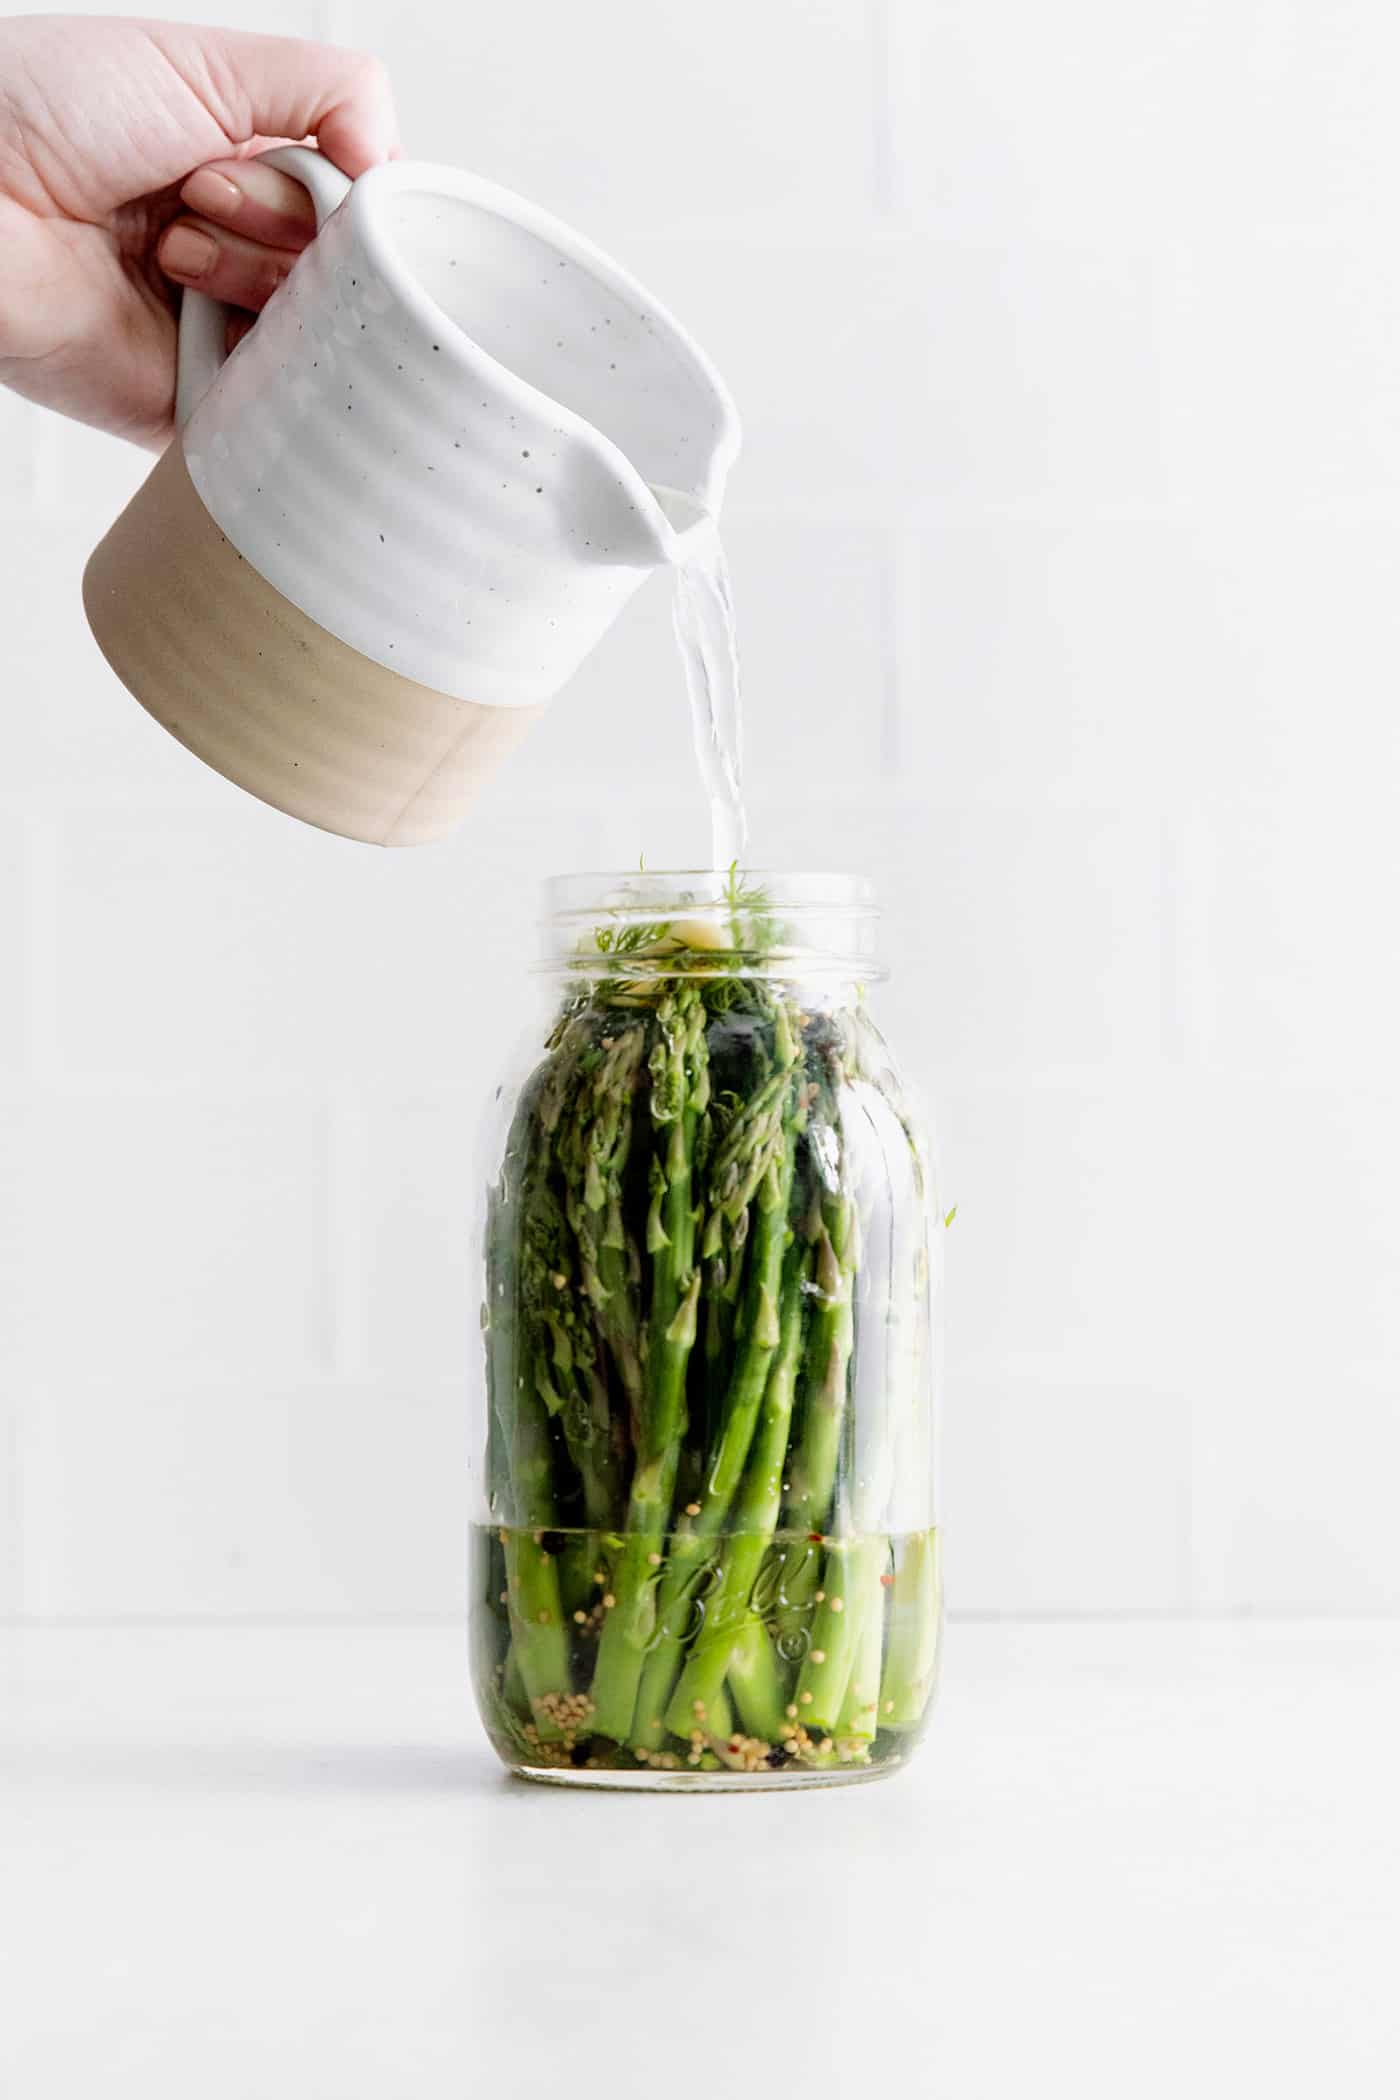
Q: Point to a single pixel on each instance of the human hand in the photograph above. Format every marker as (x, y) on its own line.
(125, 171)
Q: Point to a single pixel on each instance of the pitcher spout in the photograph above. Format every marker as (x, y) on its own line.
(686, 521)
(552, 330)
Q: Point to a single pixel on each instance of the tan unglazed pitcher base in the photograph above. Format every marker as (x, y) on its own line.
(265, 695)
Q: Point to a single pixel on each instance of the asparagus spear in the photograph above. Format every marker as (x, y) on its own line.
(755, 1680)
(581, 1140)
(755, 1514)
(770, 1234)
(498, 1329)
(524, 1486)
(534, 1598)
(679, 1097)
(501, 1309)
(601, 1141)
(859, 1718)
(911, 1657)
(772, 1135)
(813, 1473)
(849, 1567)
(815, 1458)
(534, 1602)
(557, 1355)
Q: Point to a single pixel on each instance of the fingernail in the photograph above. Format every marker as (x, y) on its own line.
(186, 251)
(209, 191)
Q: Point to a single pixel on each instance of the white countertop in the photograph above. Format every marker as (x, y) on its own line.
(1133, 1859)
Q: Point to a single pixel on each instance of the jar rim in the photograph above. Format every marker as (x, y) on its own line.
(778, 923)
(591, 889)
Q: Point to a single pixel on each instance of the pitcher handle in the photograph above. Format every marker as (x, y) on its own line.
(204, 321)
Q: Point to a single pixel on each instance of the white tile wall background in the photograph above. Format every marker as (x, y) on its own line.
(1067, 546)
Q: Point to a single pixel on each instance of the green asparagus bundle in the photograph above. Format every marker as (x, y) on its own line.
(700, 1391)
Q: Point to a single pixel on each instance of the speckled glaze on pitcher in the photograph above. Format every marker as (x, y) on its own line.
(404, 510)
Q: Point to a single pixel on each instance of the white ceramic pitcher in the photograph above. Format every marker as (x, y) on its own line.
(408, 505)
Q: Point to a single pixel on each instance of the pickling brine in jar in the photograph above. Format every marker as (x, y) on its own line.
(704, 1550)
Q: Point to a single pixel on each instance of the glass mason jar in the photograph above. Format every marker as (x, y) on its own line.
(704, 1552)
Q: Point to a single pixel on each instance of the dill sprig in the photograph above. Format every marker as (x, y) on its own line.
(706, 936)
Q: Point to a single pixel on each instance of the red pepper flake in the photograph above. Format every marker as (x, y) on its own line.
(814, 1538)
(887, 1582)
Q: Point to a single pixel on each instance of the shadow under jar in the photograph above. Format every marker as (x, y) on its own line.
(704, 1550)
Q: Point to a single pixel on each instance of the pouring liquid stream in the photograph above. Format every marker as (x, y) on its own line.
(703, 612)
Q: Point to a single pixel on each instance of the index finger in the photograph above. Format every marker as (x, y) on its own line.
(261, 203)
